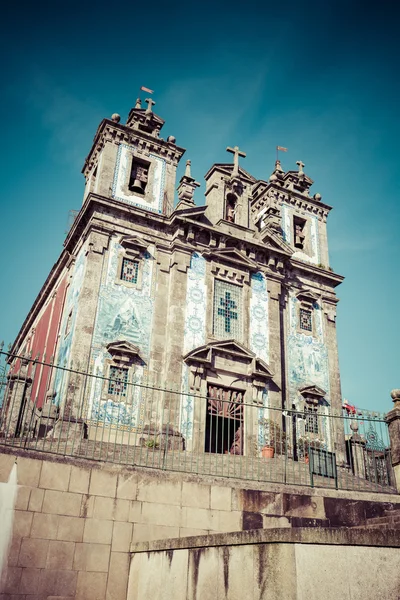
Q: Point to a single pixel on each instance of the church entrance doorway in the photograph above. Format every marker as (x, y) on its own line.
(224, 420)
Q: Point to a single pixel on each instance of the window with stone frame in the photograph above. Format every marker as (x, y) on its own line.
(299, 232)
(306, 319)
(227, 318)
(311, 417)
(129, 270)
(118, 381)
(139, 175)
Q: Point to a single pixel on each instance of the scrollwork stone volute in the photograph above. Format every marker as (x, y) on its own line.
(195, 378)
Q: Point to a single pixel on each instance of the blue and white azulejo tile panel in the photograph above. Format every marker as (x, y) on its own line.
(154, 200)
(259, 329)
(196, 304)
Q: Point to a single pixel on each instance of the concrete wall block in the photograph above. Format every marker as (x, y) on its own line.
(111, 508)
(62, 503)
(57, 583)
(118, 574)
(55, 476)
(13, 552)
(103, 483)
(160, 514)
(44, 526)
(229, 520)
(190, 531)
(87, 506)
(122, 537)
(221, 497)
(33, 553)
(36, 500)
(91, 585)
(166, 492)
(6, 463)
(30, 581)
(91, 557)
(28, 471)
(194, 494)
(70, 529)
(79, 480)
(135, 512)
(60, 555)
(22, 501)
(98, 531)
(10, 579)
(22, 524)
(127, 487)
(145, 533)
(199, 518)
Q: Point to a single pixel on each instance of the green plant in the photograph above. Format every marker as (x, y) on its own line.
(151, 443)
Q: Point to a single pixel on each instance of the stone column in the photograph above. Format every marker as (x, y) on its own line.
(334, 381)
(16, 400)
(277, 386)
(393, 420)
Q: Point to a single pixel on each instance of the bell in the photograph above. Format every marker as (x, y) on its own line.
(138, 186)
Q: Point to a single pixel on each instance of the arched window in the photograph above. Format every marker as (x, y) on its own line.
(230, 209)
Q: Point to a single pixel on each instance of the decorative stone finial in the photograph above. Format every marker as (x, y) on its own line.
(317, 197)
(150, 103)
(395, 394)
(236, 153)
(300, 165)
(138, 103)
(186, 189)
(171, 139)
(116, 117)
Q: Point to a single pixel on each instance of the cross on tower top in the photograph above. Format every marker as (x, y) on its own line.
(300, 165)
(150, 103)
(236, 153)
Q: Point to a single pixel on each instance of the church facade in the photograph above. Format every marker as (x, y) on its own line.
(232, 303)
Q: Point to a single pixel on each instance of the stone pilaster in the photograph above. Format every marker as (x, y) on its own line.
(393, 420)
(277, 386)
(85, 321)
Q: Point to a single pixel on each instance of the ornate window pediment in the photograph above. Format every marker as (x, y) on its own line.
(229, 355)
(134, 243)
(124, 351)
(307, 297)
(233, 256)
(312, 392)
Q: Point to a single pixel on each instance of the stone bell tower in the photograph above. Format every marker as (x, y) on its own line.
(131, 163)
(228, 192)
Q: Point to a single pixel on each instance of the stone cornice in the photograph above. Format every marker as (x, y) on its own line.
(109, 131)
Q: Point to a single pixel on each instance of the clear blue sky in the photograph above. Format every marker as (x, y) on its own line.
(320, 78)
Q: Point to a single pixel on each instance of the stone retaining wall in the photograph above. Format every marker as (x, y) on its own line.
(75, 520)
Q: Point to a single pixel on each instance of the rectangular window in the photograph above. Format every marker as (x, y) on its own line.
(305, 319)
(118, 381)
(129, 270)
(227, 322)
(139, 175)
(299, 226)
(311, 414)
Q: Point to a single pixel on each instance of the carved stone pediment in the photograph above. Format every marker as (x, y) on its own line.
(275, 242)
(307, 297)
(232, 256)
(135, 242)
(312, 391)
(229, 355)
(122, 349)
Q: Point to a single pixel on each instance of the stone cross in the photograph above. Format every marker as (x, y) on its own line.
(236, 153)
(150, 103)
(228, 306)
(299, 163)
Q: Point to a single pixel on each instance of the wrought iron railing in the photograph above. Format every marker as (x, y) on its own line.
(68, 411)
